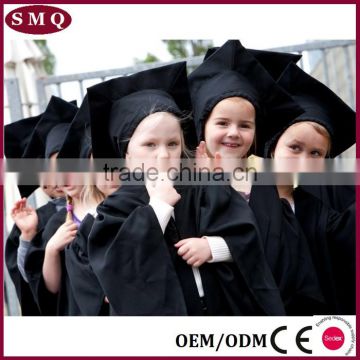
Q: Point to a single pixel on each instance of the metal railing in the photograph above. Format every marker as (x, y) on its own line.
(55, 83)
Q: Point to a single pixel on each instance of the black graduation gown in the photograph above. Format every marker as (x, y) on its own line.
(26, 299)
(338, 197)
(287, 252)
(141, 273)
(62, 303)
(331, 238)
(85, 286)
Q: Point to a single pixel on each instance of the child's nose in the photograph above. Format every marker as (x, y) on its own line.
(233, 131)
(163, 152)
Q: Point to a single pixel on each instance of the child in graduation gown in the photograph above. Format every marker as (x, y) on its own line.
(235, 101)
(134, 242)
(85, 287)
(325, 129)
(82, 281)
(45, 261)
(17, 137)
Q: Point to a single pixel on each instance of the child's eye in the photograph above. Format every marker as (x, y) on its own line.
(173, 144)
(221, 123)
(150, 144)
(316, 153)
(295, 148)
(245, 126)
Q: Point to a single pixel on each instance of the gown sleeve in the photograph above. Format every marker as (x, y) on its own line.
(84, 284)
(341, 231)
(23, 292)
(129, 256)
(27, 303)
(295, 271)
(337, 197)
(46, 301)
(331, 239)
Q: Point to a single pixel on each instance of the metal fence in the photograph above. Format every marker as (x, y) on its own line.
(321, 51)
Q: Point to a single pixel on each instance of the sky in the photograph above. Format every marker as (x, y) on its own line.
(103, 37)
(106, 37)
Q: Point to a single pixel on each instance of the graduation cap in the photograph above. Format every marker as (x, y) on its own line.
(77, 142)
(233, 71)
(320, 105)
(117, 106)
(48, 134)
(17, 136)
(274, 62)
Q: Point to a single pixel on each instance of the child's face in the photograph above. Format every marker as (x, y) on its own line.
(72, 190)
(107, 184)
(53, 191)
(306, 148)
(48, 181)
(157, 138)
(230, 128)
(72, 183)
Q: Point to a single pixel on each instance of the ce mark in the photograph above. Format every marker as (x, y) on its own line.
(299, 339)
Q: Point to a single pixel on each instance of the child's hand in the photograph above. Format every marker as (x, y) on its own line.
(25, 218)
(163, 189)
(203, 160)
(64, 235)
(195, 251)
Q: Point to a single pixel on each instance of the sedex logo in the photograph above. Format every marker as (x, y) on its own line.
(38, 19)
(333, 338)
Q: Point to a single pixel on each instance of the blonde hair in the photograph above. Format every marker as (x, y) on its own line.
(320, 129)
(184, 149)
(90, 193)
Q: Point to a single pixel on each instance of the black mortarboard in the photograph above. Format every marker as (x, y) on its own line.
(234, 71)
(274, 62)
(320, 105)
(117, 106)
(77, 142)
(47, 137)
(55, 139)
(17, 136)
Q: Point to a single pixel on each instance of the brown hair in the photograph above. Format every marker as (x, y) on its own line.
(69, 208)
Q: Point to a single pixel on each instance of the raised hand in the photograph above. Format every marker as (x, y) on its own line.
(25, 218)
(203, 160)
(162, 187)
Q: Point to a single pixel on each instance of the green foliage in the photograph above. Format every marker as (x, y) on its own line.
(177, 48)
(50, 60)
(187, 48)
(149, 59)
